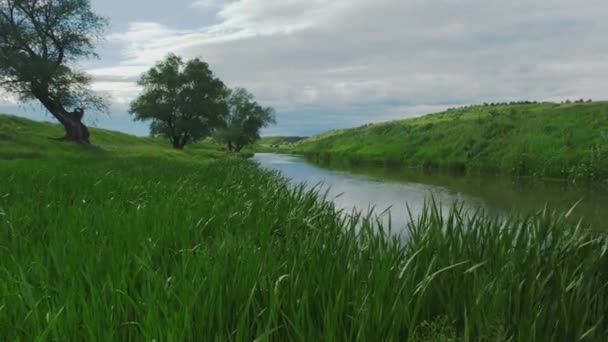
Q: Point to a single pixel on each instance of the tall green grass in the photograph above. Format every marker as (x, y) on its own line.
(153, 248)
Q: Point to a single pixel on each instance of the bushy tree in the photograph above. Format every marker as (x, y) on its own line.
(39, 42)
(245, 119)
(184, 100)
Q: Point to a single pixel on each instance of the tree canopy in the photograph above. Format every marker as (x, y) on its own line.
(39, 40)
(245, 119)
(184, 100)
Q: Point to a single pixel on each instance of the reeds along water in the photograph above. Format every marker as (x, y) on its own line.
(131, 249)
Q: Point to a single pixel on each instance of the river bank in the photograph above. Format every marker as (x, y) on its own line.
(398, 189)
(539, 140)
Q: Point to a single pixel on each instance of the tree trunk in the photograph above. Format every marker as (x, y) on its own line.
(75, 130)
(177, 144)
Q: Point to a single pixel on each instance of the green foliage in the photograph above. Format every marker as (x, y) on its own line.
(522, 139)
(134, 241)
(184, 100)
(39, 40)
(244, 121)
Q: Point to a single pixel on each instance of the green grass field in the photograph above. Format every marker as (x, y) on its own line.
(25, 139)
(132, 241)
(568, 141)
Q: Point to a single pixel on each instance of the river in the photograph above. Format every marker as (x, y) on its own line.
(364, 188)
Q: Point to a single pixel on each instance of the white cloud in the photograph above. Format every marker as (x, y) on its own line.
(7, 98)
(206, 4)
(364, 60)
(286, 16)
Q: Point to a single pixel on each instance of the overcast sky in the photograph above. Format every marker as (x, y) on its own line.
(325, 64)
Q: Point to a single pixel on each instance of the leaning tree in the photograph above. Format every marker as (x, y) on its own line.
(40, 40)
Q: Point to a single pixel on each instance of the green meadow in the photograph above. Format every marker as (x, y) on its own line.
(130, 240)
(543, 140)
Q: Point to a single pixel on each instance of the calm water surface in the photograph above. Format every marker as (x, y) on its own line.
(364, 188)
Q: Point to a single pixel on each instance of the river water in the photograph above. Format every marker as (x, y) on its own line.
(378, 188)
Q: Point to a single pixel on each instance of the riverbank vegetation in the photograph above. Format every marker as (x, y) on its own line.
(132, 240)
(566, 141)
(275, 143)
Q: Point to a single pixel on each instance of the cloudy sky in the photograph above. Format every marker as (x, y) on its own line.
(326, 64)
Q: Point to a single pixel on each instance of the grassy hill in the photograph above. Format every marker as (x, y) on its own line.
(129, 240)
(26, 139)
(534, 139)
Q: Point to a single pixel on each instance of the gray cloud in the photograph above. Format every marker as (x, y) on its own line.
(327, 64)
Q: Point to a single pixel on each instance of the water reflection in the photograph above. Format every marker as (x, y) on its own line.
(364, 188)
(364, 193)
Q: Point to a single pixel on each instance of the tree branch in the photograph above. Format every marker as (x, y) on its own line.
(10, 18)
(50, 24)
(39, 30)
(4, 83)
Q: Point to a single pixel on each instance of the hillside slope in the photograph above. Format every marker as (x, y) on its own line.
(21, 138)
(532, 139)
(280, 140)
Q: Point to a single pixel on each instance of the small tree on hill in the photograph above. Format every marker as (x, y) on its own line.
(39, 39)
(245, 119)
(184, 100)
